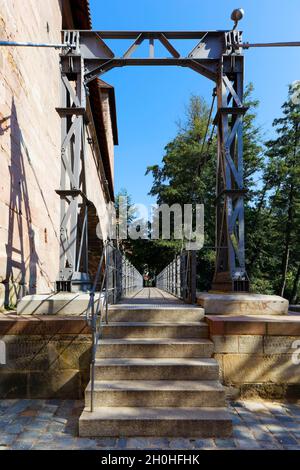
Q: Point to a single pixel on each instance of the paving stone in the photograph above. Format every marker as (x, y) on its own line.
(106, 443)
(45, 415)
(225, 443)
(60, 420)
(246, 444)
(275, 408)
(274, 428)
(137, 443)
(7, 439)
(51, 408)
(269, 445)
(181, 444)
(286, 439)
(56, 402)
(268, 422)
(4, 423)
(285, 419)
(263, 436)
(291, 447)
(19, 407)
(236, 419)
(24, 420)
(23, 445)
(291, 427)
(80, 443)
(47, 436)
(41, 446)
(204, 444)
(57, 444)
(53, 424)
(254, 406)
(14, 428)
(36, 425)
(37, 404)
(29, 413)
(121, 443)
(158, 443)
(261, 433)
(27, 435)
(242, 432)
(6, 403)
(56, 427)
(294, 410)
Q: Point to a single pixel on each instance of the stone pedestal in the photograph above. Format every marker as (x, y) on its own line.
(55, 304)
(242, 304)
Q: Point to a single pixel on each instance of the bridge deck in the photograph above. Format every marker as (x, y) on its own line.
(151, 296)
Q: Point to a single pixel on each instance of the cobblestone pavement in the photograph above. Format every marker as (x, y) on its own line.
(53, 424)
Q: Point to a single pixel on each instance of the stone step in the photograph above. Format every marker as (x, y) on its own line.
(144, 313)
(155, 330)
(156, 369)
(155, 348)
(164, 422)
(156, 393)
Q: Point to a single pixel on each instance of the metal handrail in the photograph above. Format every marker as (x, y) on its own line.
(179, 277)
(126, 279)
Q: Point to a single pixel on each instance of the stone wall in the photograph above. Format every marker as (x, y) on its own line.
(29, 147)
(46, 357)
(30, 140)
(257, 356)
(108, 126)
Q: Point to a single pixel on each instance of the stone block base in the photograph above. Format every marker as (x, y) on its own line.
(258, 356)
(242, 304)
(46, 357)
(270, 391)
(55, 304)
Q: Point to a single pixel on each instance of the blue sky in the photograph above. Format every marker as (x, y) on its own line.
(150, 100)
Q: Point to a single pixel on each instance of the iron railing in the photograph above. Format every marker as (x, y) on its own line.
(116, 277)
(179, 277)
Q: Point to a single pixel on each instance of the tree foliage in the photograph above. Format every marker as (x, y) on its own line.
(272, 179)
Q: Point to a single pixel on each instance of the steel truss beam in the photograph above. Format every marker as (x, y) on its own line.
(73, 265)
(218, 57)
(230, 270)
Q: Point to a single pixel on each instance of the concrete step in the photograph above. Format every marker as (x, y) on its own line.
(156, 369)
(156, 393)
(155, 330)
(151, 313)
(155, 348)
(167, 422)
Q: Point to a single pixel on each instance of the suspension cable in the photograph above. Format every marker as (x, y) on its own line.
(206, 132)
(202, 152)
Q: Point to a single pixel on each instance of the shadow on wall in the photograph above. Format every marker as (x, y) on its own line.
(95, 244)
(20, 230)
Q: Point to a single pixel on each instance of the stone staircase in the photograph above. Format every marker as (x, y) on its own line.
(155, 376)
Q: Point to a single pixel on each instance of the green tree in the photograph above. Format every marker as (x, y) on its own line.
(188, 173)
(282, 175)
(144, 254)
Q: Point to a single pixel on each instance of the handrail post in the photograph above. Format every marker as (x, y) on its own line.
(111, 281)
(179, 276)
(107, 283)
(94, 343)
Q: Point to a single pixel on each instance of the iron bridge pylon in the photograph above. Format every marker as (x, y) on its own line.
(219, 57)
